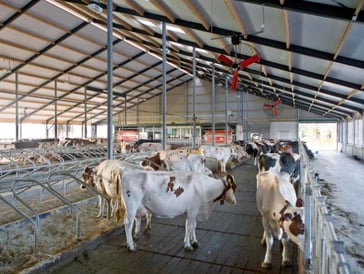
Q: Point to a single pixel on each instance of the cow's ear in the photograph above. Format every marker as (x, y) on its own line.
(229, 179)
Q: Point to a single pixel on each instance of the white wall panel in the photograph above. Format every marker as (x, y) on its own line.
(284, 130)
(248, 110)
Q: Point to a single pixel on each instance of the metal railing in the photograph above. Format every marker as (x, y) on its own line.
(324, 253)
(24, 172)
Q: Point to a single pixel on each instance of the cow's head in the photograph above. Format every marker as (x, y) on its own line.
(88, 177)
(292, 223)
(228, 193)
(155, 162)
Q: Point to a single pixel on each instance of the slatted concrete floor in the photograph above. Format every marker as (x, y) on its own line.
(229, 243)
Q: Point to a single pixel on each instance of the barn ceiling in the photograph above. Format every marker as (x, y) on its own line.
(53, 54)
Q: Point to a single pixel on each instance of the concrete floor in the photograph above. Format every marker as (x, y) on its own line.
(230, 238)
(229, 243)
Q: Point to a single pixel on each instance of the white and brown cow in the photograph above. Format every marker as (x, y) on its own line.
(148, 146)
(193, 162)
(125, 147)
(169, 194)
(276, 200)
(155, 162)
(164, 160)
(221, 154)
(105, 178)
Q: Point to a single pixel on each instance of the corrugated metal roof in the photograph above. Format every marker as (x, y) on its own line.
(311, 53)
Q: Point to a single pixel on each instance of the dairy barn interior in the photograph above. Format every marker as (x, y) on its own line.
(78, 77)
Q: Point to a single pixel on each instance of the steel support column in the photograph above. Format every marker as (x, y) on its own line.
(164, 85)
(110, 137)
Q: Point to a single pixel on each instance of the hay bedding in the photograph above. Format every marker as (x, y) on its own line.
(57, 234)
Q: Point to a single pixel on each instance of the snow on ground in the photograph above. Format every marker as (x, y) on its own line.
(341, 179)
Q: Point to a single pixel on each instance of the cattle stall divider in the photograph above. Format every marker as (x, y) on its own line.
(324, 253)
(34, 223)
(24, 173)
(78, 181)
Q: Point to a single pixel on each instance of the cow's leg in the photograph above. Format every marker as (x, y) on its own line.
(223, 166)
(194, 241)
(148, 224)
(128, 224)
(190, 236)
(138, 221)
(262, 241)
(267, 263)
(114, 208)
(286, 260)
(188, 229)
(100, 203)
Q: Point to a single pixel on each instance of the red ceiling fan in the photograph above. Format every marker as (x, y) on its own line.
(273, 106)
(241, 48)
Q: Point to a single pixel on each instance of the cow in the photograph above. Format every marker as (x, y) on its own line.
(164, 160)
(283, 162)
(125, 147)
(175, 154)
(193, 162)
(168, 194)
(221, 154)
(155, 162)
(105, 178)
(145, 145)
(282, 219)
(239, 150)
(253, 150)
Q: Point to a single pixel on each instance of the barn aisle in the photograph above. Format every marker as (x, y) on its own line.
(229, 242)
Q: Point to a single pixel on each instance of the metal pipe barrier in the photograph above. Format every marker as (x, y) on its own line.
(78, 181)
(26, 170)
(324, 253)
(35, 223)
(27, 184)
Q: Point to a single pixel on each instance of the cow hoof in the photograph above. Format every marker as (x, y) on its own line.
(188, 248)
(147, 231)
(286, 263)
(267, 265)
(136, 237)
(132, 250)
(195, 245)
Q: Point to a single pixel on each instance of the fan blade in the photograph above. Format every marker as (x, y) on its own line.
(266, 105)
(275, 111)
(226, 60)
(277, 102)
(234, 82)
(253, 59)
